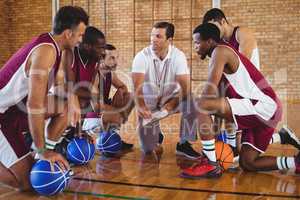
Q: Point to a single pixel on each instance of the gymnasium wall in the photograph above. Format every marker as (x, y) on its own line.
(127, 24)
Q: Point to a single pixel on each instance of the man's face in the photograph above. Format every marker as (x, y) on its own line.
(159, 39)
(201, 46)
(111, 60)
(97, 50)
(75, 35)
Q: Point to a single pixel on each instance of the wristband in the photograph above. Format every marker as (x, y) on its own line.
(41, 150)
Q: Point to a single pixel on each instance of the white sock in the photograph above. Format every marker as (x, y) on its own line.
(231, 138)
(209, 149)
(275, 138)
(50, 144)
(285, 163)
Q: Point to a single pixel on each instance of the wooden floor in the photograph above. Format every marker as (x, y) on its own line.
(133, 176)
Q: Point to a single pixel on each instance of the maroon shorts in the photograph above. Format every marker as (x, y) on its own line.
(256, 131)
(12, 125)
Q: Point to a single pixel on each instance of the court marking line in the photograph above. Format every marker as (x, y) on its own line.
(188, 189)
(104, 195)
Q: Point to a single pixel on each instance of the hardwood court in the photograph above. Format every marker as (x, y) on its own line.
(133, 176)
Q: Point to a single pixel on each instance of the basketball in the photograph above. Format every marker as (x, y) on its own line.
(80, 151)
(109, 142)
(45, 182)
(224, 154)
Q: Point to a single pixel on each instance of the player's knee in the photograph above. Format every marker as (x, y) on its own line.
(25, 185)
(247, 164)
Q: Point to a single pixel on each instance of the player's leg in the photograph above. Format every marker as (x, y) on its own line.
(15, 159)
(149, 136)
(206, 108)
(254, 142)
(57, 120)
(188, 129)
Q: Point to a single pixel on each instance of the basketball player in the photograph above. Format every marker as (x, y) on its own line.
(116, 111)
(84, 61)
(249, 102)
(24, 105)
(243, 40)
(161, 80)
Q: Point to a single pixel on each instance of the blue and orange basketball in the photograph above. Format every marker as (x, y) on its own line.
(224, 154)
(47, 182)
(80, 151)
(109, 142)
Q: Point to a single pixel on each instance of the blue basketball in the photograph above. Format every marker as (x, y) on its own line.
(109, 142)
(45, 182)
(222, 136)
(80, 151)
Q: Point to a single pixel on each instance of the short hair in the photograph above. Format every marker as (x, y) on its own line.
(215, 14)
(91, 35)
(110, 47)
(207, 31)
(170, 29)
(69, 17)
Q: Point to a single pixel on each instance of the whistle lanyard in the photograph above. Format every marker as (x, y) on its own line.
(160, 77)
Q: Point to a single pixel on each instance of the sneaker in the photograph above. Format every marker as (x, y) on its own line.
(297, 163)
(287, 136)
(186, 149)
(28, 139)
(69, 133)
(126, 146)
(203, 170)
(160, 138)
(108, 155)
(62, 147)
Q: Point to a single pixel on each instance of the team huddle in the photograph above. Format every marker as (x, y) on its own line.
(58, 86)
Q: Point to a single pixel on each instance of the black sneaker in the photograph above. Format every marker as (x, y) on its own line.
(287, 136)
(160, 138)
(62, 147)
(69, 133)
(186, 149)
(126, 146)
(28, 139)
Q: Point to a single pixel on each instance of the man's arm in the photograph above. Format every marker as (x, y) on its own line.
(117, 83)
(40, 62)
(184, 93)
(216, 68)
(247, 41)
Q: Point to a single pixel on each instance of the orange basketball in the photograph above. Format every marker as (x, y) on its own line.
(224, 154)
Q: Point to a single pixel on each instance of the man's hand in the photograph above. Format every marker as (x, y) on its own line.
(74, 110)
(144, 112)
(120, 98)
(53, 157)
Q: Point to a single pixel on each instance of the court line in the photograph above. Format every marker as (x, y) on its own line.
(189, 189)
(103, 195)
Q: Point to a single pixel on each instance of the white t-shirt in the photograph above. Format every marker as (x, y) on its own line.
(160, 75)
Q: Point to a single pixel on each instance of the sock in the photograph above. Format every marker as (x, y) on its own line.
(231, 138)
(209, 149)
(285, 163)
(50, 144)
(275, 138)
